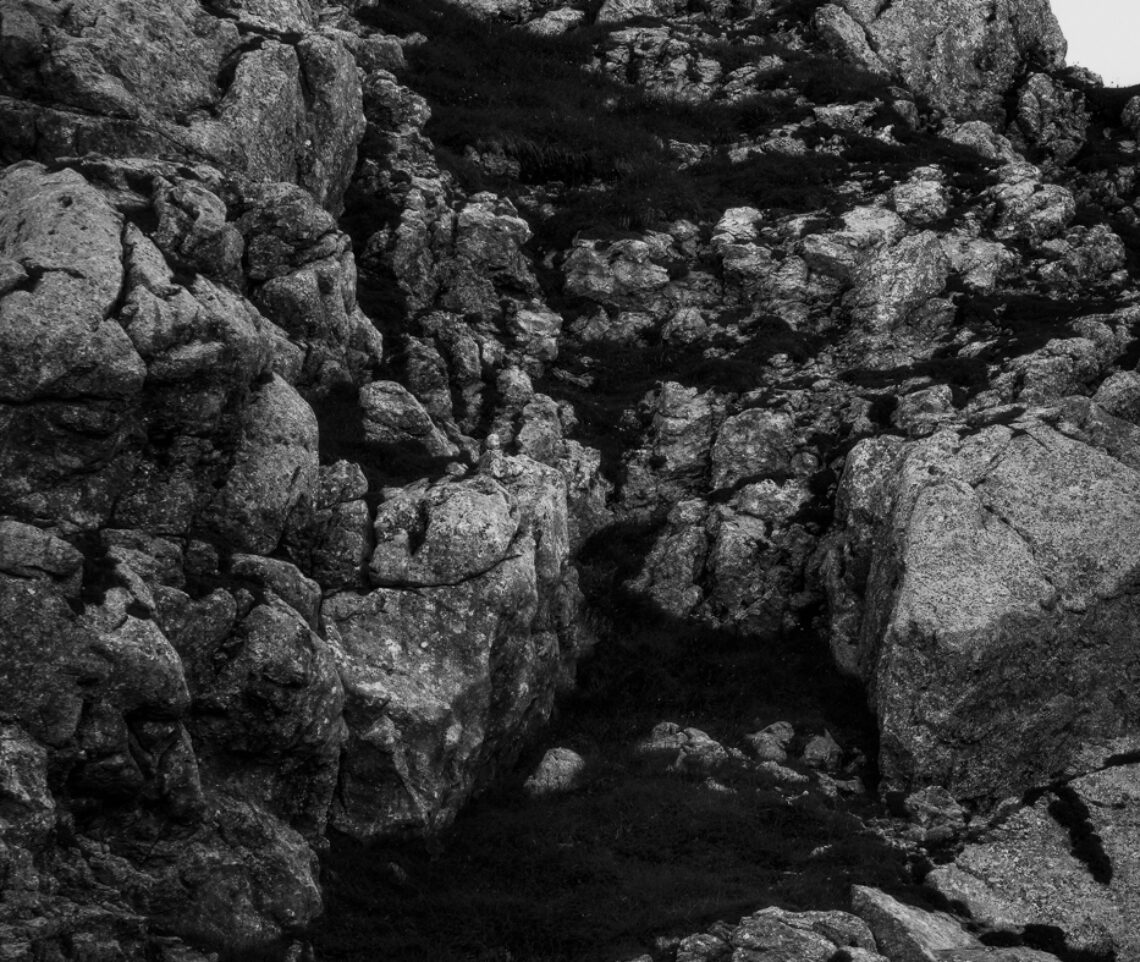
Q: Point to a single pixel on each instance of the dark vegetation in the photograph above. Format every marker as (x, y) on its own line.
(496, 89)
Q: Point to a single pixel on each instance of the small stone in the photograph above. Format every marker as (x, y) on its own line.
(772, 743)
(822, 752)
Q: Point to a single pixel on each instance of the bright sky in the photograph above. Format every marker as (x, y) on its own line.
(1103, 35)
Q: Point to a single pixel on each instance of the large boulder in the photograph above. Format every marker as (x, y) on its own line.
(456, 652)
(979, 585)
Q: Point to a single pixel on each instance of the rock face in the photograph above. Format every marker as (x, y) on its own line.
(1002, 554)
(964, 56)
(260, 92)
(308, 424)
(459, 648)
(208, 624)
(1077, 839)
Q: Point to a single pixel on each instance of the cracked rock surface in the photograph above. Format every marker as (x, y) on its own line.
(358, 377)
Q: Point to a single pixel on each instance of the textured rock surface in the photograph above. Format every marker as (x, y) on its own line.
(266, 571)
(964, 56)
(459, 649)
(990, 553)
(1077, 839)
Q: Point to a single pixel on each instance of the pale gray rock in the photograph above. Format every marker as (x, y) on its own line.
(30, 808)
(673, 573)
(965, 58)
(684, 749)
(268, 723)
(823, 752)
(682, 428)
(1029, 209)
(892, 287)
(1051, 117)
(613, 273)
(980, 264)
(1087, 257)
(284, 16)
(847, 37)
(771, 744)
(58, 338)
(30, 552)
(339, 543)
(616, 11)
(243, 879)
(865, 231)
(557, 22)
(560, 770)
(905, 933)
(1027, 870)
(981, 136)
(1119, 395)
(444, 534)
(923, 199)
(751, 445)
(922, 412)
(779, 934)
(953, 554)
(936, 812)
(536, 327)
(149, 83)
(450, 662)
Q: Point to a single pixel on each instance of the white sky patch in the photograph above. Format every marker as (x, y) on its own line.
(1103, 35)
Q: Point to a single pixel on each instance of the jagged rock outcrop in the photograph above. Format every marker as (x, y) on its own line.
(306, 418)
(459, 647)
(965, 57)
(173, 307)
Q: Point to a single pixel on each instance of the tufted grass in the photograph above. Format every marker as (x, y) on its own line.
(493, 87)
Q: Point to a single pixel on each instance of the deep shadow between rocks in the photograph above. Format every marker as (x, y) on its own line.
(635, 852)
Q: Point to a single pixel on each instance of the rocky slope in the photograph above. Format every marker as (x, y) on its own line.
(357, 359)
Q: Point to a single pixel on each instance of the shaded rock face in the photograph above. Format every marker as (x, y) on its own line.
(230, 90)
(200, 605)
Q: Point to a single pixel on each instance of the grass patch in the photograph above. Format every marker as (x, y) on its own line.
(533, 99)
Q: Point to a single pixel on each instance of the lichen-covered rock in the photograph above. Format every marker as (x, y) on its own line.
(682, 427)
(457, 652)
(891, 289)
(274, 472)
(865, 231)
(613, 273)
(1029, 869)
(953, 555)
(779, 934)
(1052, 118)
(905, 933)
(177, 82)
(964, 57)
(560, 770)
(392, 416)
(1029, 209)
